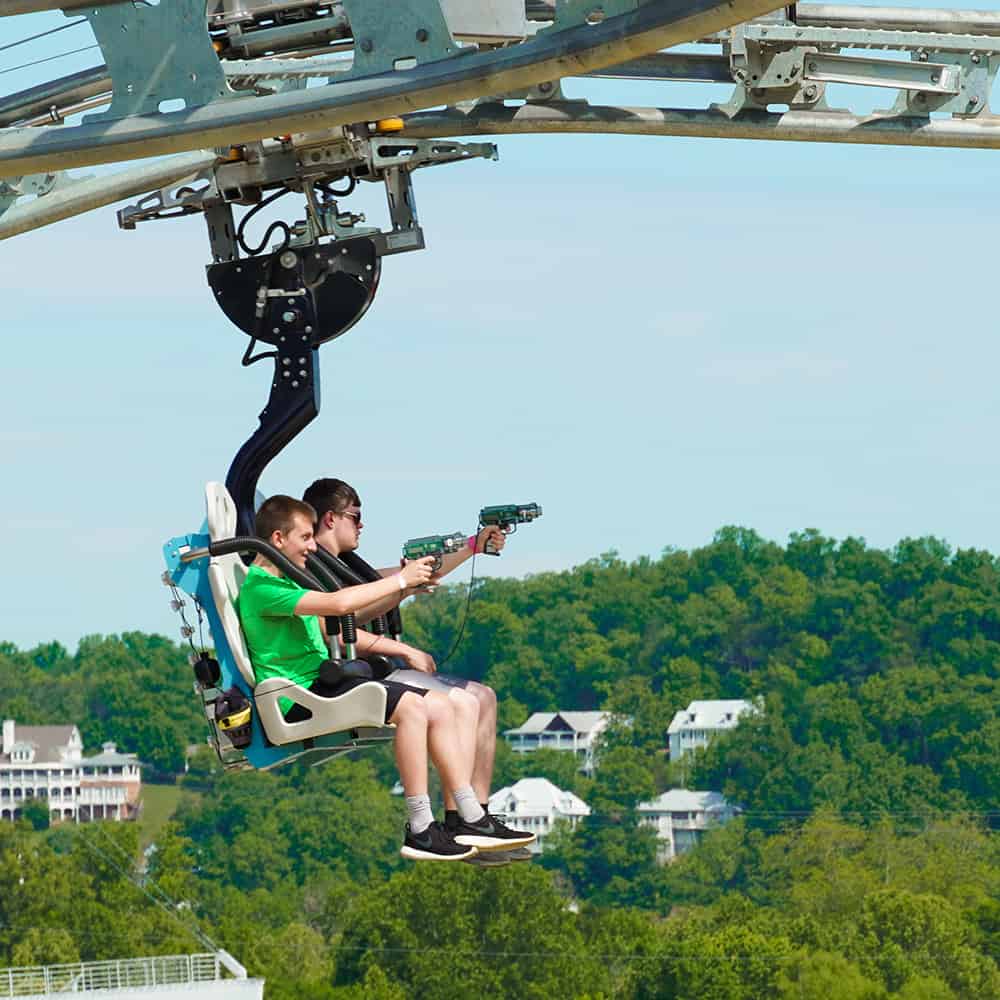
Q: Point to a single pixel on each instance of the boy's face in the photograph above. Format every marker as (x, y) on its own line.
(347, 527)
(298, 542)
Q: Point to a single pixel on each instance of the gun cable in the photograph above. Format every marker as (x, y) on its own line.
(468, 605)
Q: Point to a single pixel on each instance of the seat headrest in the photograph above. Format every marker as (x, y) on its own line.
(221, 511)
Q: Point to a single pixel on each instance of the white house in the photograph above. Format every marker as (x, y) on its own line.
(47, 762)
(573, 731)
(696, 725)
(535, 805)
(681, 817)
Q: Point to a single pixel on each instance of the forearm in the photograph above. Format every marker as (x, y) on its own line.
(382, 644)
(348, 600)
(364, 615)
(453, 560)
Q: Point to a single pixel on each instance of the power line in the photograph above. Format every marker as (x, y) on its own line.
(171, 910)
(38, 62)
(32, 38)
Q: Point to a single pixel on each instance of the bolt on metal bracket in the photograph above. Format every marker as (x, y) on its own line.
(156, 54)
(397, 35)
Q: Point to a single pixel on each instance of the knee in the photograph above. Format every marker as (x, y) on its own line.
(486, 698)
(410, 710)
(465, 704)
(439, 708)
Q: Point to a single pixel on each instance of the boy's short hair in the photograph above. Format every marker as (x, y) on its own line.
(331, 495)
(277, 514)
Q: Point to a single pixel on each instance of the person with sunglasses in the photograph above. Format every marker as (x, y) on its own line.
(281, 622)
(338, 529)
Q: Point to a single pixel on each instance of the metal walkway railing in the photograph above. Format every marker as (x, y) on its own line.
(128, 973)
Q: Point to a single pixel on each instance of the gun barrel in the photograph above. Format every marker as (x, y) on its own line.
(433, 545)
(504, 515)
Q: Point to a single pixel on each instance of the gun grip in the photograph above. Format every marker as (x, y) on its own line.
(490, 550)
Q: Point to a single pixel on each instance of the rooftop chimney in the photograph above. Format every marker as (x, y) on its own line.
(8, 736)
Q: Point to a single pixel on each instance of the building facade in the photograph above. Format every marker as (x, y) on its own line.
(536, 805)
(46, 763)
(681, 817)
(574, 732)
(694, 726)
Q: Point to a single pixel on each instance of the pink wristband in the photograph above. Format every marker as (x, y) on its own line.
(472, 543)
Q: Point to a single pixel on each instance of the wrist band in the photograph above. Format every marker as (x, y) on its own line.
(472, 543)
(402, 582)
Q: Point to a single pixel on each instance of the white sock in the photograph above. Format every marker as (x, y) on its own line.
(418, 809)
(468, 805)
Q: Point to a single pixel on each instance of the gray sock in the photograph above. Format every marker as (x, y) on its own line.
(468, 804)
(418, 809)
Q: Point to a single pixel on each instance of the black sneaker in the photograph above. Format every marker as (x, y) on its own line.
(489, 834)
(434, 844)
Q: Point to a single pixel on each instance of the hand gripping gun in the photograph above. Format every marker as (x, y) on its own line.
(434, 545)
(507, 517)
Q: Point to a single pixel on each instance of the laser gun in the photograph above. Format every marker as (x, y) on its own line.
(434, 545)
(507, 517)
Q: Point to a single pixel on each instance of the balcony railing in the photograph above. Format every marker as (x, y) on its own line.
(131, 973)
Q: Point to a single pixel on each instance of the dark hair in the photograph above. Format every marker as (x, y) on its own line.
(276, 514)
(330, 495)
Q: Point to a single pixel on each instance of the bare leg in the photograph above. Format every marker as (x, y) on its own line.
(486, 740)
(466, 708)
(443, 743)
(410, 743)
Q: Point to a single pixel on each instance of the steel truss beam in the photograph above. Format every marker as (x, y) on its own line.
(552, 54)
(981, 132)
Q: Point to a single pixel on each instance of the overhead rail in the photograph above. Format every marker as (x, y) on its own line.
(788, 126)
(570, 47)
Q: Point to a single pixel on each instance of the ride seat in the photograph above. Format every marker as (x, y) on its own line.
(361, 707)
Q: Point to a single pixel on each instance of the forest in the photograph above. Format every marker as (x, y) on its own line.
(864, 863)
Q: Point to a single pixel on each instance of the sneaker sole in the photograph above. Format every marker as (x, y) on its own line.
(415, 854)
(485, 843)
(489, 860)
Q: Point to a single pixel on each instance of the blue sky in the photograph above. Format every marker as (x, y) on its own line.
(650, 337)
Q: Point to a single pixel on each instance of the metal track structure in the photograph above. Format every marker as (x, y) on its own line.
(241, 71)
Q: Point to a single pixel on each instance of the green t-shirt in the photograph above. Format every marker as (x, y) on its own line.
(281, 643)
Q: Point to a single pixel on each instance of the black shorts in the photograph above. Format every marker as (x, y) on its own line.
(332, 682)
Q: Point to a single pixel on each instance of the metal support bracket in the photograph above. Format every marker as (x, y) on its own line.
(157, 55)
(571, 13)
(397, 35)
(39, 185)
(975, 75)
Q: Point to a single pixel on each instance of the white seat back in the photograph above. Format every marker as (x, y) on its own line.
(362, 707)
(226, 575)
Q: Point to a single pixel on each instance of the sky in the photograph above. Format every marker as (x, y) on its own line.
(650, 337)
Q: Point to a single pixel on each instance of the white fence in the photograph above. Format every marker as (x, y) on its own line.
(129, 973)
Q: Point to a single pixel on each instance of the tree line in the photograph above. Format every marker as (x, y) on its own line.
(864, 864)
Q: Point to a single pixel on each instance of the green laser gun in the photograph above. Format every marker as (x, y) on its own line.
(507, 516)
(434, 545)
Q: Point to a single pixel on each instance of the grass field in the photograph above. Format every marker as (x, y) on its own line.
(158, 805)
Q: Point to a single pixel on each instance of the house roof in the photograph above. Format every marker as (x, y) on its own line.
(580, 722)
(113, 759)
(684, 800)
(710, 715)
(47, 741)
(537, 797)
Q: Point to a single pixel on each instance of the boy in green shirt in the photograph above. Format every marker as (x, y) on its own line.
(281, 622)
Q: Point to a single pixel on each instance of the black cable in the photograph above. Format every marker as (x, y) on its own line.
(352, 183)
(51, 31)
(468, 604)
(270, 229)
(38, 62)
